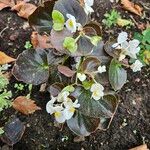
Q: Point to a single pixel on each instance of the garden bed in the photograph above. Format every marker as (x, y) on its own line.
(131, 124)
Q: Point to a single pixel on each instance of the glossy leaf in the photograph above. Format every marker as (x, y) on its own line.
(32, 66)
(83, 125)
(90, 64)
(85, 47)
(72, 7)
(101, 108)
(13, 131)
(96, 26)
(41, 18)
(55, 89)
(57, 39)
(66, 71)
(117, 75)
(111, 51)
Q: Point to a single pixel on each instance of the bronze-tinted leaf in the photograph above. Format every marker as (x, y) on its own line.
(32, 66)
(13, 131)
(55, 89)
(57, 39)
(90, 64)
(41, 18)
(111, 51)
(72, 7)
(83, 125)
(85, 47)
(96, 26)
(66, 71)
(40, 41)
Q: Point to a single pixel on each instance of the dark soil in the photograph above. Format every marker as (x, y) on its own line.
(130, 126)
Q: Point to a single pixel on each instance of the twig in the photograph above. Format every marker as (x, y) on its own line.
(3, 31)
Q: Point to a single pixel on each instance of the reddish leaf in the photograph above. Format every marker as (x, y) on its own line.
(24, 105)
(66, 71)
(4, 59)
(39, 41)
(134, 8)
(24, 9)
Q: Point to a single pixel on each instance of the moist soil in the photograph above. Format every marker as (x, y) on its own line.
(131, 124)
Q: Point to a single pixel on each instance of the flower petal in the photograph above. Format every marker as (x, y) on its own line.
(122, 37)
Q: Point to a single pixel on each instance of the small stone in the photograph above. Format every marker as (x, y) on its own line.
(14, 36)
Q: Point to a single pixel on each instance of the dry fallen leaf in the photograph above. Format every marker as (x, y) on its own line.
(40, 41)
(24, 105)
(5, 59)
(141, 147)
(24, 9)
(134, 8)
(6, 3)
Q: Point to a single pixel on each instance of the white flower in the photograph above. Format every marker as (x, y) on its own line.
(87, 6)
(123, 36)
(57, 110)
(71, 24)
(59, 116)
(70, 108)
(81, 76)
(49, 106)
(97, 91)
(136, 66)
(130, 48)
(133, 48)
(102, 69)
(63, 96)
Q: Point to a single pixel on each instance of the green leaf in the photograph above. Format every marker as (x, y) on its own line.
(58, 20)
(138, 36)
(117, 75)
(69, 88)
(87, 84)
(32, 66)
(104, 107)
(5, 100)
(70, 44)
(95, 39)
(124, 22)
(1, 131)
(83, 125)
(146, 36)
(3, 82)
(28, 45)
